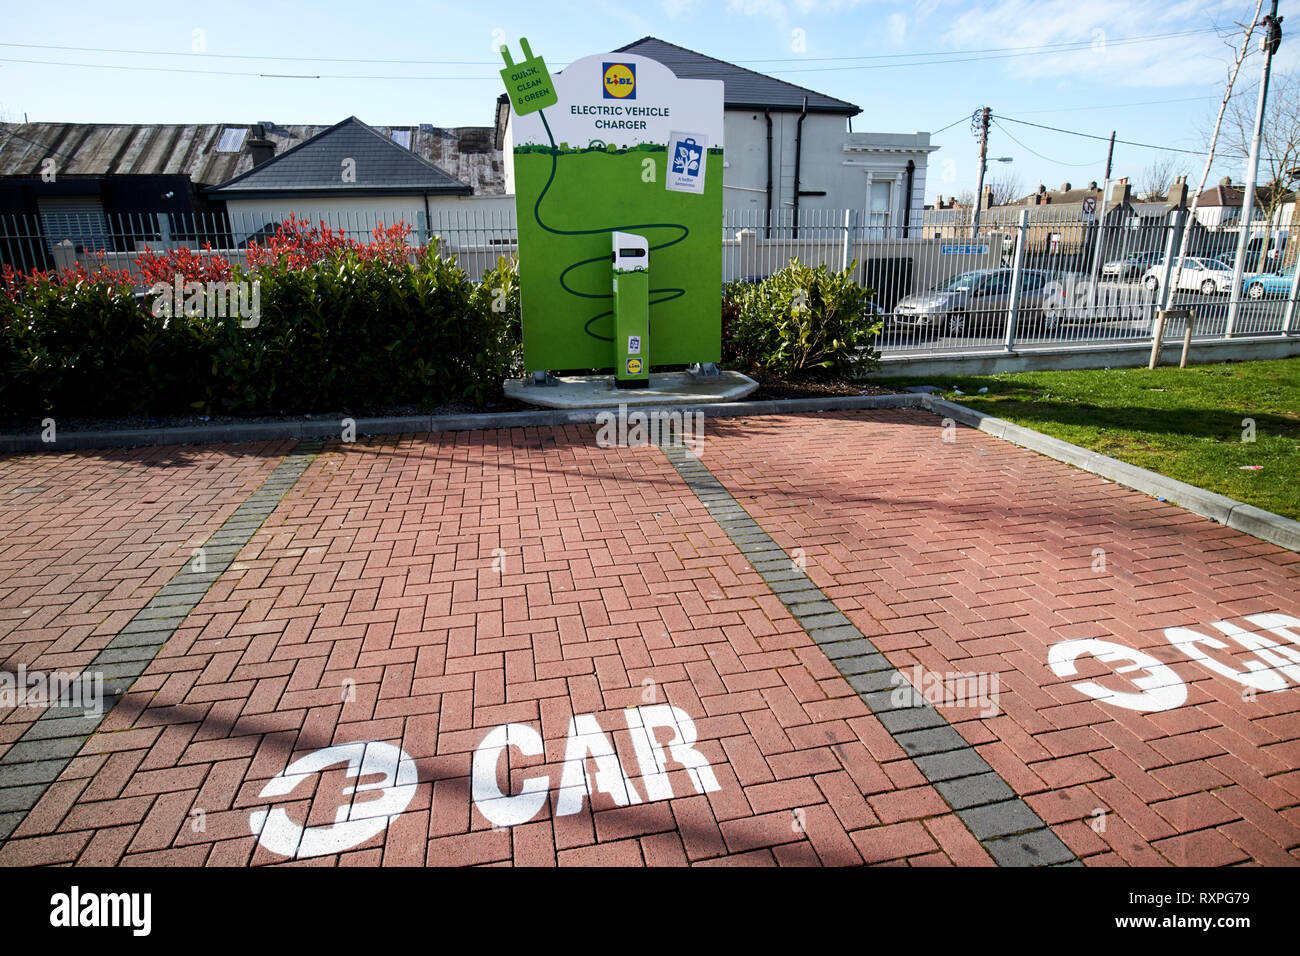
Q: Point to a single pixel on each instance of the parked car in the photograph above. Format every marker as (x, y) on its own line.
(1272, 283)
(1276, 246)
(1131, 266)
(1207, 276)
(970, 302)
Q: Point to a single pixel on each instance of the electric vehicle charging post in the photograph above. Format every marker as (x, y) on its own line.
(620, 144)
(631, 311)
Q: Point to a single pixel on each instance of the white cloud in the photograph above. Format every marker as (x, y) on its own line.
(780, 11)
(897, 23)
(772, 9)
(1103, 25)
(673, 9)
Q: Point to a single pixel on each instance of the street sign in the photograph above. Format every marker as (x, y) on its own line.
(1090, 209)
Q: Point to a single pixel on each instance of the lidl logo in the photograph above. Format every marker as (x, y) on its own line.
(633, 366)
(620, 81)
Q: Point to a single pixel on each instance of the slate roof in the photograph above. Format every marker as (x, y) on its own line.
(315, 168)
(745, 89)
(1059, 197)
(108, 149)
(1229, 194)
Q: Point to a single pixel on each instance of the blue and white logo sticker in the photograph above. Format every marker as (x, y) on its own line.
(687, 162)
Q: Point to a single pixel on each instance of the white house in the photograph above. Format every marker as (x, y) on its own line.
(1221, 206)
(790, 152)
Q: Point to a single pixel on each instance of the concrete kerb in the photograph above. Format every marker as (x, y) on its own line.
(1234, 514)
(421, 424)
(1227, 511)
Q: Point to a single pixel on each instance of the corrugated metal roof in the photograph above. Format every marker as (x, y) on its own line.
(317, 166)
(98, 149)
(745, 89)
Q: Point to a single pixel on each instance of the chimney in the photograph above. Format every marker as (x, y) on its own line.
(1065, 187)
(1121, 192)
(1093, 185)
(1177, 195)
(259, 147)
(1225, 181)
(987, 202)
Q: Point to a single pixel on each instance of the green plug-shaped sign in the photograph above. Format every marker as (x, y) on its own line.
(527, 83)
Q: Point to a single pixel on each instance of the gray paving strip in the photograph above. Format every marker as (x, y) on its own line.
(38, 757)
(1012, 833)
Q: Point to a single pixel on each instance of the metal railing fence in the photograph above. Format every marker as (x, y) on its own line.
(1030, 278)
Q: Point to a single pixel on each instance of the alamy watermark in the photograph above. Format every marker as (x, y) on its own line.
(624, 429)
(242, 300)
(24, 688)
(1073, 296)
(948, 690)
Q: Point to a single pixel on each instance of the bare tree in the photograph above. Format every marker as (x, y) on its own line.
(1007, 187)
(1158, 177)
(1279, 139)
(1248, 31)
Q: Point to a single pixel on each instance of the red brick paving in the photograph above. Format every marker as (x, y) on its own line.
(368, 608)
(87, 539)
(977, 556)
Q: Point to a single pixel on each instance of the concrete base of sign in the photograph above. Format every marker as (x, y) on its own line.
(666, 388)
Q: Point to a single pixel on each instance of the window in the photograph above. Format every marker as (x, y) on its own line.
(77, 218)
(232, 139)
(959, 283)
(994, 284)
(402, 137)
(880, 203)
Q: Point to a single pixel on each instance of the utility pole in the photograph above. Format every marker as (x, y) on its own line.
(1269, 43)
(1100, 232)
(980, 127)
(1173, 282)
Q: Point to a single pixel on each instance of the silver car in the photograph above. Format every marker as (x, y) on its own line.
(970, 302)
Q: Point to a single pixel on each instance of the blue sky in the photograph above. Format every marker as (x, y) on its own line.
(923, 65)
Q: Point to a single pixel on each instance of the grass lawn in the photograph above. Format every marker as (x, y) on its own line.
(1184, 423)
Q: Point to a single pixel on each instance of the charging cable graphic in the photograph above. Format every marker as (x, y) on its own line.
(665, 293)
(529, 86)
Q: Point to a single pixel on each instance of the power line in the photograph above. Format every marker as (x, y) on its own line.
(1077, 46)
(947, 59)
(1140, 38)
(1114, 106)
(959, 119)
(1126, 142)
(293, 76)
(1041, 47)
(249, 56)
(1057, 162)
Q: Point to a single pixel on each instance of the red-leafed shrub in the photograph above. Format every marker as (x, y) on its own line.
(189, 265)
(298, 244)
(17, 284)
(337, 324)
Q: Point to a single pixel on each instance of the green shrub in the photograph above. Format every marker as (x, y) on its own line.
(802, 321)
(497, 306)
(85, 345)
(345, 330)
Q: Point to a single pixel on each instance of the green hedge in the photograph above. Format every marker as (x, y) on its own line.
(801, 322)
(347, 332)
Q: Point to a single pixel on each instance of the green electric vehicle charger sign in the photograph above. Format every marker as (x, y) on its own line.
(616, 143)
